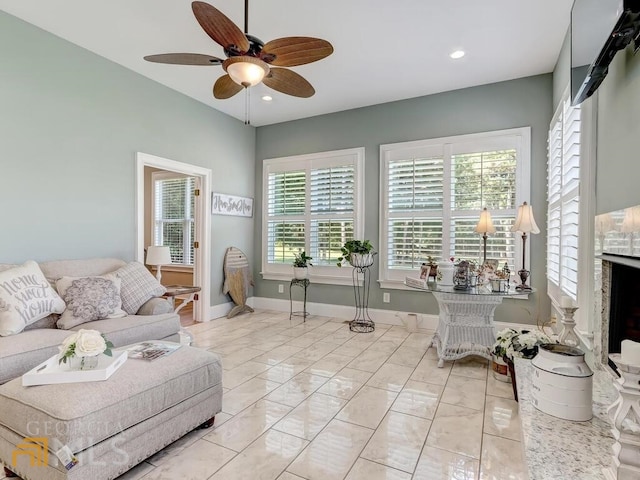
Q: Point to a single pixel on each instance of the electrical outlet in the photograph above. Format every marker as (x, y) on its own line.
(386, 297)
(281, 288)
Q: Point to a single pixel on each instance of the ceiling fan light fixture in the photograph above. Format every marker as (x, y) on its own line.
(246, 71)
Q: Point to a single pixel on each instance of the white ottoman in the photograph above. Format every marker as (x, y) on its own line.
(111, 426)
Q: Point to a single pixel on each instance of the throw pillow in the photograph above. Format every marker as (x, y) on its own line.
(89, 299)
(138, 286)
(25, 298)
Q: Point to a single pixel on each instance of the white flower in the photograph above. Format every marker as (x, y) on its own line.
(70, 340)
(89, 343)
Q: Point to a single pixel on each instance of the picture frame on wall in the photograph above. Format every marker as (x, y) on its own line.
(223, 204)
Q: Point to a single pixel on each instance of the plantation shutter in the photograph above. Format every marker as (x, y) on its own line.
(286, 200)
(563, 197)
(332, 211)
(570, 199)
(554, 195)
(174, 223)
(415, 203)
(483, 179)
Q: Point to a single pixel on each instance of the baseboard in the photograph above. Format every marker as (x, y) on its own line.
(426, 321)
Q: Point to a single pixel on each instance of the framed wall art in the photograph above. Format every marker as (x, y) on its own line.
(223, 204)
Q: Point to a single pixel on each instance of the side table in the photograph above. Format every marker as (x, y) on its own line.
(304, 284)
(176, 290)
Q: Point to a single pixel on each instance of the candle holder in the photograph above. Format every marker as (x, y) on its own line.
(568, 334)
(625, 415)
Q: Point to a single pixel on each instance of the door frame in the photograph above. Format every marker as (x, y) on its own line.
(202, 266)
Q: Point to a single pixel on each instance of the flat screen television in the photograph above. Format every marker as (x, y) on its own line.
(599, 28)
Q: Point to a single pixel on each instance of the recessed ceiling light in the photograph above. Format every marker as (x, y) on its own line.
(267, 98)
(457, 54)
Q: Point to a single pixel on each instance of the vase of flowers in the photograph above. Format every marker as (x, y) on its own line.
(511, 343)
(83, 349)
(499, 365)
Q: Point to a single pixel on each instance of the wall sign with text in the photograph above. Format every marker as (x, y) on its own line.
(223, 204)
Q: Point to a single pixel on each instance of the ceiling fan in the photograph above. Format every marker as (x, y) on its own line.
(249, 60)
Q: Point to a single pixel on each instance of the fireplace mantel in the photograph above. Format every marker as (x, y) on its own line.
(633, 262)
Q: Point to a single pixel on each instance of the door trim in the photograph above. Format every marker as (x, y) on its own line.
(202, 267)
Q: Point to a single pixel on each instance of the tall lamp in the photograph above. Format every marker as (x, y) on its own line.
(485, 226)
(525, 223)
(158, 256)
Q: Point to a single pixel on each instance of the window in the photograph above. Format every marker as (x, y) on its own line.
(563, 197)
(571, 209)
(173, 215)
(434, 192)
(314, 203)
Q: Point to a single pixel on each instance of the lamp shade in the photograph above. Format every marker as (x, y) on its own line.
(158, 255)
(246, 71)
(525, 222)
(485, 225)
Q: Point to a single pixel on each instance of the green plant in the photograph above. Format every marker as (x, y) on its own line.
(431, 261)
(302, 260)
(361, 247)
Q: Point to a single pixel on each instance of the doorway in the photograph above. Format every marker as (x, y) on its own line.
(202, 222)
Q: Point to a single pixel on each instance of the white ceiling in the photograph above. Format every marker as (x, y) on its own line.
(384, 50)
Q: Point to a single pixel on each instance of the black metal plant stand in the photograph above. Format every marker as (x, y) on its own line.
(362, 322)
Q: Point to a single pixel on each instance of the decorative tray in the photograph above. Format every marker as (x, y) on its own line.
(50, 371)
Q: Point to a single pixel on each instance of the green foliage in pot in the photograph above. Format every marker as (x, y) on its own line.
(361, 247)
(302, 260)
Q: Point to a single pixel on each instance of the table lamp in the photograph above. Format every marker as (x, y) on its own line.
(485, 226)
(158, 256)
(525, 223)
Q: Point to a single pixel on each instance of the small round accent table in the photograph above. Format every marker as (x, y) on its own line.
(304, 284)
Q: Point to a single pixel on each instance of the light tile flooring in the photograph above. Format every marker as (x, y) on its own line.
(315, 401)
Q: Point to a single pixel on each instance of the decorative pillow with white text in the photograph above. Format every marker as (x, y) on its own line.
(89, 299)
(25, 298)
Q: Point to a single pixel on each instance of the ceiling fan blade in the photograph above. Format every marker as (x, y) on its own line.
(219, 27)
(184, 59)
(292, 51)
(225, 88)
(289, 82)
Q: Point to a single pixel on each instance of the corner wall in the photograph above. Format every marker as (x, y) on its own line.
(71, 124)
(515, 103)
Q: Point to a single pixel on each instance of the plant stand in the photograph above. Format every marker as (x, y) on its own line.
(362, 322)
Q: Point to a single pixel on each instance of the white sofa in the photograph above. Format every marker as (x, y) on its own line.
(19, 353)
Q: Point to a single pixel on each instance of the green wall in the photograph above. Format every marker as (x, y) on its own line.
(618, 166)
(618, 128)
(70, 124)
(516, 103)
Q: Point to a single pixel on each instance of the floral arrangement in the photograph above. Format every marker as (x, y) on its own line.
(84, 343)
(512, 343)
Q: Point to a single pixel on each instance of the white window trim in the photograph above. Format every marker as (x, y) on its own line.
(155, 176)
(585, 315)
(322, 274)
(523, 185)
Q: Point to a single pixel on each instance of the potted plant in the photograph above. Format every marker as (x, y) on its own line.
(512, 343)
(300, 263)
(358, 253)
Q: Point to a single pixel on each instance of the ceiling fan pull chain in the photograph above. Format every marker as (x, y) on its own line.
(247, 106)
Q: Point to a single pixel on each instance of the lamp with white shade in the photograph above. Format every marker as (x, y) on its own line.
(158, 256)
(525, 223)
(485, 226)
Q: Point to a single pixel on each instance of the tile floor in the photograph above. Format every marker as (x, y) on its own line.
(315, 401)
